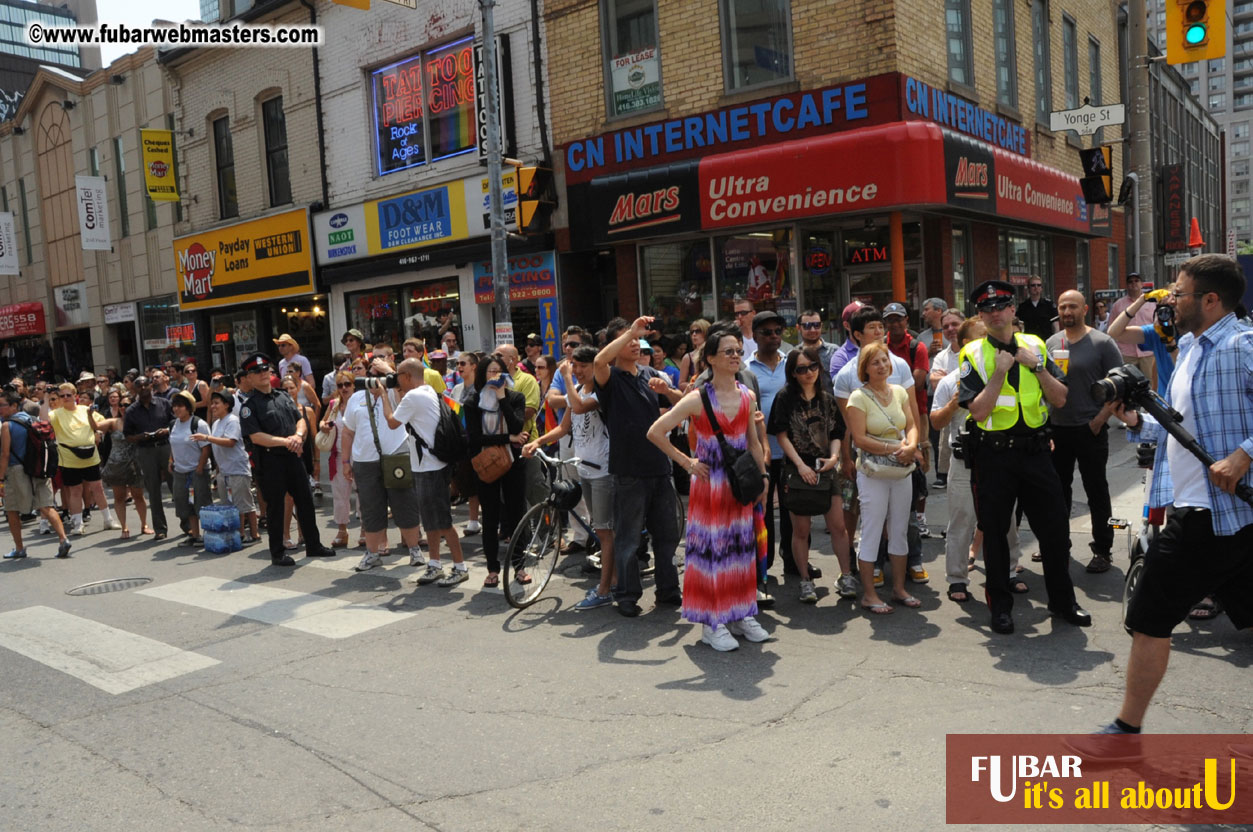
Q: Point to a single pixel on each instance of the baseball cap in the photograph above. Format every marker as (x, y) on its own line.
(353, 333)
(850, 310)
(437, 355)
(645, 346)
(895, 309)
(766, 318)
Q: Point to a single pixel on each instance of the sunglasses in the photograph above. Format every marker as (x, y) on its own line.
(733, 353)
(806, 368)
(573, 345)
(742, 313)
(344, 384)
(695, 332)
(771, 331)
(812, 325)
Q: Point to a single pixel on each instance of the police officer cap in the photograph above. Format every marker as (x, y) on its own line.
(258, 362)
(992, 293)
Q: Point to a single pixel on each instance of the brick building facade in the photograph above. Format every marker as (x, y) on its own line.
(919, 125)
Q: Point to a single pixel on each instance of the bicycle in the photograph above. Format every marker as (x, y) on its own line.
(535, 545)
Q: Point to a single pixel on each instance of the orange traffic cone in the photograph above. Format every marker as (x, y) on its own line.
(1194, 238)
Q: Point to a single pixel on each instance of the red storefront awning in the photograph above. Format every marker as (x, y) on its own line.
(20, 319)
(911, 164)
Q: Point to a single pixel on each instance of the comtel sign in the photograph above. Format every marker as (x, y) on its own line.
(1087, 119)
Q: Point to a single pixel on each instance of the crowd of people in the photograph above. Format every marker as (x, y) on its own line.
(996, 407)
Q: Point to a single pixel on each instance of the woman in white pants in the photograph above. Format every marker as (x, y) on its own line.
(341, 488)
(882, 427)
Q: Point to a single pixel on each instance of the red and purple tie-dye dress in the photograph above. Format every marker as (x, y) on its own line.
(720, 571)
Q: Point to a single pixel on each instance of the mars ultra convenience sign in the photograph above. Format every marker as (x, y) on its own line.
(249, 261)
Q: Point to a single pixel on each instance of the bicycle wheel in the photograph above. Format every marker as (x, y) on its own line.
(1132, 581)
(533, 551)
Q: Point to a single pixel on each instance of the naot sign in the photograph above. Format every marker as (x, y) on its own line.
(1087, 119)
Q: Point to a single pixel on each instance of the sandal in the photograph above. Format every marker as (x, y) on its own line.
(1208, 609)
(1038, 557)
(522, 578)
(958, 589)
(908, 601)
(881, 608)
(1018, 586)
(159, 536)
(340, 542)
(126, 534)
(491, 581)
(146, 530)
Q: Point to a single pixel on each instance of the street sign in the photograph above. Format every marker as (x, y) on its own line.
(1087, 119)
(1175, 258)
(1231, 243)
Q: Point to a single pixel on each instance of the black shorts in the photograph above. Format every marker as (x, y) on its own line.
(1187, 562)
(78, 476)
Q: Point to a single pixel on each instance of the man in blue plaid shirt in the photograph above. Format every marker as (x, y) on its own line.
(1208, 540)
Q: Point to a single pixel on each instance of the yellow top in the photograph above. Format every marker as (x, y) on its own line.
(528, 386)
(886, 423)
(73, 430)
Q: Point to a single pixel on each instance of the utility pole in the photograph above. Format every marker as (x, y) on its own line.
(1139, 149)
(500, 259)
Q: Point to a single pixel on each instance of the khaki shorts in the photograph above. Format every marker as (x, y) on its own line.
(24, 494)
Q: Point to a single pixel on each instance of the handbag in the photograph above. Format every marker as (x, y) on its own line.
(397, 471)
(324, 441)
(491, 463)
(883, 466)
(803, 499)
(743, 475)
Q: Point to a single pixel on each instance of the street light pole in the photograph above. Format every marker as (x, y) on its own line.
(1140, 150)
(500, 260)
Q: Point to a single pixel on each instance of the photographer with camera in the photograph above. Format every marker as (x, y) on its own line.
(1008, 382)
(1159, 337)
(1208, 538)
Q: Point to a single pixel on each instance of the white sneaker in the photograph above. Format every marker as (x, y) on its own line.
(473, 527)
(719, 639)
(416, 558)
(79, 529)
(44, 528)
(112, 523)
(749, 629)
(368, 561)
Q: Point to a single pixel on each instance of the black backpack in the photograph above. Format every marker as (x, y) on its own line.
(40, 461)
(451, 444)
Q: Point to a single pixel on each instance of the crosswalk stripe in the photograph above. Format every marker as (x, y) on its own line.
(307, 612)
(113, 660)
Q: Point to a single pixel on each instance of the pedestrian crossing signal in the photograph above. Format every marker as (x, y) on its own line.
(1098, 175)
(1196, 30)
(536, 199)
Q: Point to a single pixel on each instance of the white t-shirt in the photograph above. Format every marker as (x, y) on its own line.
(420, 408)
(233, 461)
(945, 390)
(357, 420)
(1186, 471)
(306, 369)
(846, 380)
(946, 360)
(591, 440)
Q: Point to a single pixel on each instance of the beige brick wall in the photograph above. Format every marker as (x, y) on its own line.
(832, 42)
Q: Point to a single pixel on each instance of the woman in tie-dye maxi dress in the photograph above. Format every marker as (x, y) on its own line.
(720, 571)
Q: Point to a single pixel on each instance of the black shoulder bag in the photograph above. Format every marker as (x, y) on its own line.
(743, 475)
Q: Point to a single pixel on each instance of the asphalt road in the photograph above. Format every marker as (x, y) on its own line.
(226, 694)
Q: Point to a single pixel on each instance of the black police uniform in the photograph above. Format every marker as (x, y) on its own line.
(279, 471)
(1009, 466)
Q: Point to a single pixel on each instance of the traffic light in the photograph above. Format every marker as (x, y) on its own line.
(1196, 30)
(536, 199)
(1098, 175)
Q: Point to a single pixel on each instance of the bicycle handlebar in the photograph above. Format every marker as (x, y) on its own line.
(574, 460)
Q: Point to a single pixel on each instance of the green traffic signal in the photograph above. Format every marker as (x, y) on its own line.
(1194, 34)
(1195, 29)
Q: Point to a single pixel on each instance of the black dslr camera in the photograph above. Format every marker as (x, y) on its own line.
(1124, 384)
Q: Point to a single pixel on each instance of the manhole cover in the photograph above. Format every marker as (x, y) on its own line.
(111, 585)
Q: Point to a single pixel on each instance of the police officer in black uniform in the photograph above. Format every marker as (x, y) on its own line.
(1007, 382)
(272, 423)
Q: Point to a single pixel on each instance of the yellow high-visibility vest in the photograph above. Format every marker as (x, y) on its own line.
(980, 357)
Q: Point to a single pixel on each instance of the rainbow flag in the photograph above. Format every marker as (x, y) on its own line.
(454, 406)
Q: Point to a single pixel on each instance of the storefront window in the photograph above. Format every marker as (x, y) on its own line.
(234, 338)
(820, 281)
(866, 259)
(377, 313)
(678, 284)
(168, 333)
(1022, 256)
(757, 267)
(305, 319)
(961, 265)
(432, 311)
